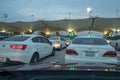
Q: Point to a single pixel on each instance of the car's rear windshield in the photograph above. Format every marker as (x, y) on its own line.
(17, 38)
(90, 41)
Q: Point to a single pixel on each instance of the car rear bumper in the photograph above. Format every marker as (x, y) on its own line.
(17, 57)
(69, 59)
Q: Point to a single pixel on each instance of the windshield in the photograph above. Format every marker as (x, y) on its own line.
(59, 35)
(89, 41)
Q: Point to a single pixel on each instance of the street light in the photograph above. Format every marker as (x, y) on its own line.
(32, 17)
(69, 13)
(5, 16)
(89, 11)
(70, 30)
(117, 15)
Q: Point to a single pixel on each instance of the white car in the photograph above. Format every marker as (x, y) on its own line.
(90, 49)
(67, 40)
(115, 42)
(25, 48)
(58, 42)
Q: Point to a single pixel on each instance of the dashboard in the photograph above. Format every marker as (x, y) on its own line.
(59, 75)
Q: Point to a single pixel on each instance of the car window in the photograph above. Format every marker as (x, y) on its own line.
(44, 40)
(117, 37)
(89, 41)
(110, 38)
(17, 38)
(40, 40)
(113, 37)
(62, 39)
(36, 39)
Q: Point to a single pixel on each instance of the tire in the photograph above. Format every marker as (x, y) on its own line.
(35, 58)
(53, 52)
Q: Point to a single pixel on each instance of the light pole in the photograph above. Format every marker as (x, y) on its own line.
(5, 16)
(31, 25)
(32, 17)
(117, 12)
(69, 15)
(117, 15)
(89, 11)
(69, 23)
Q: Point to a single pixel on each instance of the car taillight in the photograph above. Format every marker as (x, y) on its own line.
(18, 46)
(110, 54)
(71, 52)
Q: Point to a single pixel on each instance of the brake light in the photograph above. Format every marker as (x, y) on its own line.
(110, 54)
(19, 46)
(71, 52)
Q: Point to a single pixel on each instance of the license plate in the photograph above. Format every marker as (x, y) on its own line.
(3, 59)
(90, 54)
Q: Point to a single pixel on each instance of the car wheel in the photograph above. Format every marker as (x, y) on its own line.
(53, 52)
(35, 58)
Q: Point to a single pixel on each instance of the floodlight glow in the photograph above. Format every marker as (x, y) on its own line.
(89, 10)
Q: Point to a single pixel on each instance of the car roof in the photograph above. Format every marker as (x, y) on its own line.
(31, 35)
(54, 36)
(88, 37)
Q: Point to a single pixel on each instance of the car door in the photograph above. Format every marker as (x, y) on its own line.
(40, 46)
(48, 46)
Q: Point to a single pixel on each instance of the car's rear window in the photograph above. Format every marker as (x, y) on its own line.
(17, 38)
(90, 41)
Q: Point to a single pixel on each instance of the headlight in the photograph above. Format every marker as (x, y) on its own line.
(56, 44)
(108, 41)
(67, 42)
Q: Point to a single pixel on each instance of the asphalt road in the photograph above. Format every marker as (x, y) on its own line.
(58, 57)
